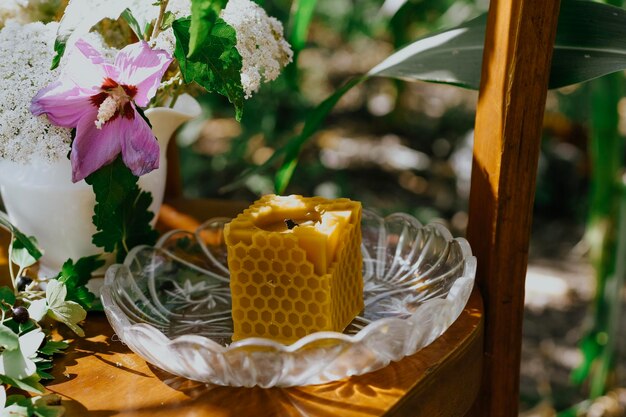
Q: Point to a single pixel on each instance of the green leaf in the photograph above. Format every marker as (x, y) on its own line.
(59, 50)
(121, 214)
(590, 42)
(39, 406)
(452, 56)
(79, 273)
(26, 327)
(42, 369)
(300, 21)
(66, 312)
(286, 170)
(20, 255)
(51, 347)
(26, 242)
(215, 65)
(127, 15)
(30, 384)
(204, 15)
(76, 275)
(8, 339)
(14, 399)
(6, 296)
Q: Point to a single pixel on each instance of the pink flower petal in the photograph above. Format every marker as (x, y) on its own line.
(93, 148)
(87, 67)
(143, 67)
(140, 148)
(64, 103)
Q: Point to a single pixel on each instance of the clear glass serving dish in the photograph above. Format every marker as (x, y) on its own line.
(171, 305)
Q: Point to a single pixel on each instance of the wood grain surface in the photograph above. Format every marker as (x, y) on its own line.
(100, 377)
(516, 67)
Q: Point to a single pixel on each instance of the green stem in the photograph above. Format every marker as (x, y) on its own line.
(10, 264)
(157, 25)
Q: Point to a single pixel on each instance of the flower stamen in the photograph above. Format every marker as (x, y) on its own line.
(113, 101)
(107, 110)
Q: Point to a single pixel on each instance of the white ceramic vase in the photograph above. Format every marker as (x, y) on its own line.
(42, 201)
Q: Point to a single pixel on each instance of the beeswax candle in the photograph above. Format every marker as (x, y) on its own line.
(295, 266)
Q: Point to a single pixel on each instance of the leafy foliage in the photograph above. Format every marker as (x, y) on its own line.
(121, 214)
(44, 406)
(62, 310)
(76, 275)
(25, 350)
(585, 49)
(216, 64)
(31, 383)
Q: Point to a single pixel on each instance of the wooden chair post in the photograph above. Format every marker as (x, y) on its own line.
(516, 66)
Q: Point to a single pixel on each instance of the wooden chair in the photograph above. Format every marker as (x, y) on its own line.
(474, 367)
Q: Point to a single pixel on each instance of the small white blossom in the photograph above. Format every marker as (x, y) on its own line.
(260, 43)
(27, 52)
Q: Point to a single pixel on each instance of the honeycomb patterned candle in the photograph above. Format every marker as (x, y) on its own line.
(295, 267)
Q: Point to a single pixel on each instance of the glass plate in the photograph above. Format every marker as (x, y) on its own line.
(171, 305)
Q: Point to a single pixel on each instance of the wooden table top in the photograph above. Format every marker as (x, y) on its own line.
(100, 377)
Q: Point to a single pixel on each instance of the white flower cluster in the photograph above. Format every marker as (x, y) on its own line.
(260, 43)
(27, 52)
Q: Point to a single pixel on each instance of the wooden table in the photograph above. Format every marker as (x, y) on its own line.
(100, 377)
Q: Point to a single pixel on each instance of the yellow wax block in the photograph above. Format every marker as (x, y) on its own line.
(295, 266)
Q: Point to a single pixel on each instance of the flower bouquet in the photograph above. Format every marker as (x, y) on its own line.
(83, 129)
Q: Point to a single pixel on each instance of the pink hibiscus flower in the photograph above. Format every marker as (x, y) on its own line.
(100, 100)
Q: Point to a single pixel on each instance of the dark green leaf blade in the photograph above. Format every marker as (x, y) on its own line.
(59, 50)
(216, 65)
(452, 56)
(590, 43)
(51, 347)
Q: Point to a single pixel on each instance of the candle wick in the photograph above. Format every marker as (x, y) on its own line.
(290, 224)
